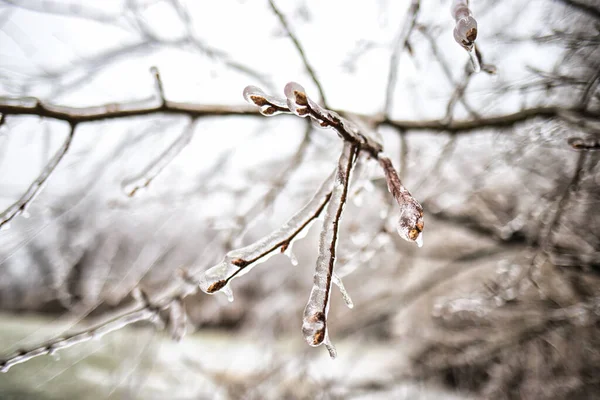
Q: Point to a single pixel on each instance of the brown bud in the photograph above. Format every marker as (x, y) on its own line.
(216, 286)
(301, 99)
(259, 100)
(269, 110)
(319, 337)
(239, 262)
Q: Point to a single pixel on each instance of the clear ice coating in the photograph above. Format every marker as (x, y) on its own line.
(269, 105)
(410, 223)
(314, 322)
(297, 101)
(240, 261)
(465, 31)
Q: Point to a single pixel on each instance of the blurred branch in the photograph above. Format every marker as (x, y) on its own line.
(400, 43)
(20, 205)
(298, 46)
(68, 10)
(76, 115)
(144, 178)
(583, 7)
(175, 320)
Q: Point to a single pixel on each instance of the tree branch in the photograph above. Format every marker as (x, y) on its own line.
(20, 205)
(399, 44)
(309, 68)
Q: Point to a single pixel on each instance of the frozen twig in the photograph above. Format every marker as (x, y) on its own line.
(314, 323)
(21, 204)
(239, 262)
(465, 31)
(400, 42)
(176, 321)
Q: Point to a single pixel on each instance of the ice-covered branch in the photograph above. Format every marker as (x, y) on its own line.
(240, 261)
(297, 102)
(76, 115)
(175, 318)
(465, 30)
(410, 224)
(21, 204)
(314, 323)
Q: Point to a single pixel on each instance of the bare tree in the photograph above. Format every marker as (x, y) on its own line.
(157, 184)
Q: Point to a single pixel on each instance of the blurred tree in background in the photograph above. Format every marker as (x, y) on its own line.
(130, 164)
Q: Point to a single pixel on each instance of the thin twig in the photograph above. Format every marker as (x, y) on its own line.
(399, 44)
(21, 204)
(585, 8)
(588, 91)
(145, 177)
(298, 46)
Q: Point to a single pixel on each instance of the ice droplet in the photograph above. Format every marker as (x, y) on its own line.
(288, 252)
(228, 292)
(419, 240)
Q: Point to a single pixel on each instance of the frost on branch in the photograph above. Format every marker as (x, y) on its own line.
(314, 323)
(465, 30)
(240, 261)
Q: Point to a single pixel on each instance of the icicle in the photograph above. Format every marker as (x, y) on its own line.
(314, 322)
(228, 292)
(419, 241)
(290, 253)
(338, 282)
(330, 347)
(474, 60)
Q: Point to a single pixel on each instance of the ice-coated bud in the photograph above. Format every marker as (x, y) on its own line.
(465, 32)
(255, 95)
(295, 93)
(297, 101)
(410, 224)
